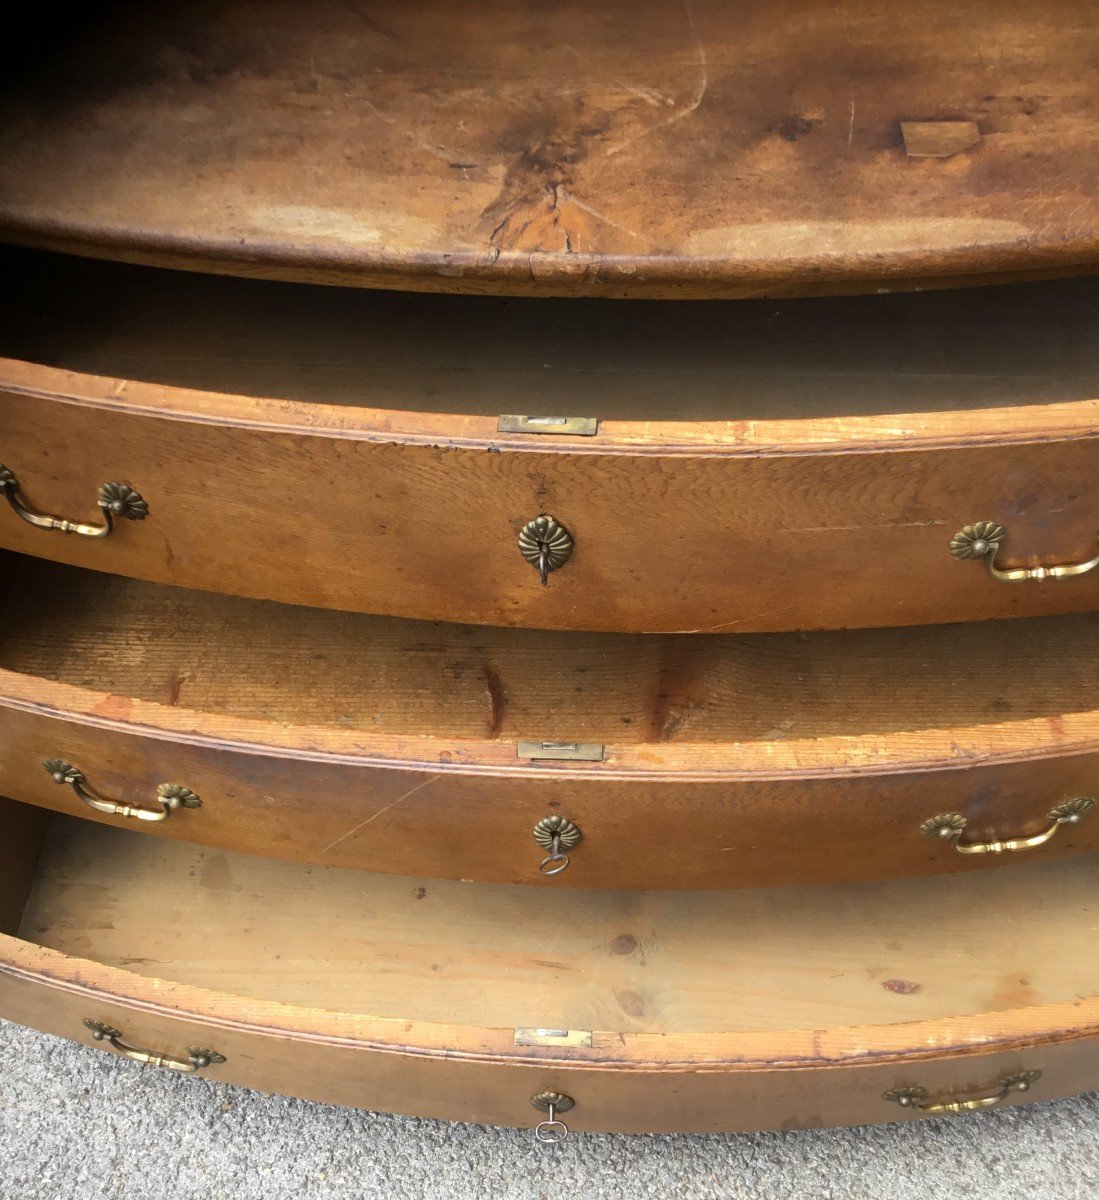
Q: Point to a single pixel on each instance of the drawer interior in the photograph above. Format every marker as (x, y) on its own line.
(1022, 344)
(499, 956)
(279, 663)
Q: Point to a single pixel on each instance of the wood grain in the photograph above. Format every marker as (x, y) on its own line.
(684, 527)
(761, 360)
(274, 662)
(702, 149)
(434, 951)
(346, 740)
(749, 1072)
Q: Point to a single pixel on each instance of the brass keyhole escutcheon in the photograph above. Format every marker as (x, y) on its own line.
(552, 1131)
(546, 544)
(556, 834)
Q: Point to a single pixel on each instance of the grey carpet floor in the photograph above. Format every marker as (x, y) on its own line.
(80, 1124)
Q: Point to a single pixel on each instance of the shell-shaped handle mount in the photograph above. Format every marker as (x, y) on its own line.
(950, 827)
(170, 796)
(981, 542)
(921, 1101)
(115, 500)
(197, 1058)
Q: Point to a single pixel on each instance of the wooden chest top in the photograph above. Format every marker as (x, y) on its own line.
(623, 148)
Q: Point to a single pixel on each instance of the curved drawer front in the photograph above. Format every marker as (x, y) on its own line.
(701, 528)
(317, 1056)
(828, 1006)
(328, 802)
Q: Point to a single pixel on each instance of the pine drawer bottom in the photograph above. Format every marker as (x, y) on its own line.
(676, 1011)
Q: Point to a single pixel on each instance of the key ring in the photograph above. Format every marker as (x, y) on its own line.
(556, 861)
(551, 1133)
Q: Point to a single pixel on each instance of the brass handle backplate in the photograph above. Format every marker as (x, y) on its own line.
(195, 1060)
(552, 1131)
(951, 826)
(981, 542)
(919, 1099)
(546, 544)
(555, 834)
(114, 500)
(170, 796)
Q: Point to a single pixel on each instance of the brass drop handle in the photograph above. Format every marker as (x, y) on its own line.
(918, 1098)
(950, 827)
(555, 834)
(981, 542)
(546, 544)
(114, 500)
(552, 1131)
(170, 796)
(195, 1061)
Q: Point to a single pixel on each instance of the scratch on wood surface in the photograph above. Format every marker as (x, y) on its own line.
(696, 99)
(939, 139)
(650, 95)
(771, 612)
(400, 800)
(569, 198)
(926, 524)
(443, 153)
(851, 122)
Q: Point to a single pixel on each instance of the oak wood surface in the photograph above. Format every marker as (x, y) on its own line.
(748, 1073)
(613, 149)
(347, 740)
(682, 526)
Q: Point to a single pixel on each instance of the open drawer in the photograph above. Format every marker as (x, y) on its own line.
(669, 1011)
(442, 750)
(817, 464)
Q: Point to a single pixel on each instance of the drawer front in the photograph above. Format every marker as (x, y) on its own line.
(694, 538)
(637, 833)
(332, 1058)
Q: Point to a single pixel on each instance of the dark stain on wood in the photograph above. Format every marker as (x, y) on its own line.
(497, 698)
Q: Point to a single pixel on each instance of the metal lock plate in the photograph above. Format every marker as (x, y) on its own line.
(562, 1038)
(562, 426)
(562, 751)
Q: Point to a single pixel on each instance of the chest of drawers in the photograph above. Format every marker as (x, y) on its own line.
(616, 661)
